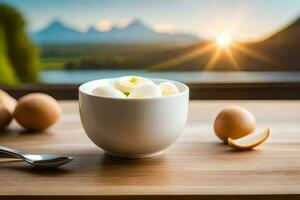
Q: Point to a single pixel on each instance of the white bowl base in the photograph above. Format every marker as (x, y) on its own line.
(131, 156)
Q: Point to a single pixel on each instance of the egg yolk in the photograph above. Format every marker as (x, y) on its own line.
(134, 80)
(165, 93)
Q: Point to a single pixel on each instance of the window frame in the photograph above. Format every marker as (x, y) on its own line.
(198, 91)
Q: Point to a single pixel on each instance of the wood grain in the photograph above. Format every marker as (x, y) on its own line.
(198, 166)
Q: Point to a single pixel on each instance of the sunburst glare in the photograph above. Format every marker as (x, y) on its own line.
(224, 40)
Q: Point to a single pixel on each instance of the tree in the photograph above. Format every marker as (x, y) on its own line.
(7, 74)
(21, 53)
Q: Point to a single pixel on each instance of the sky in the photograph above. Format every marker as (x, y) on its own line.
(245, 20)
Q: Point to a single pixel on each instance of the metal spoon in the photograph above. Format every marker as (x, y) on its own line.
(39, 160)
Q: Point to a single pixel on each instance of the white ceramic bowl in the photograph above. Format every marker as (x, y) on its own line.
(133, 128)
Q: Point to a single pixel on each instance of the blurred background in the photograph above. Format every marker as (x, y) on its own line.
(64, 41)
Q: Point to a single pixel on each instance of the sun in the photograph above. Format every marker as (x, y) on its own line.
(224, 40)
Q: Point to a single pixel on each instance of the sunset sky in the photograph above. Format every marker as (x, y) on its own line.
(244, 20)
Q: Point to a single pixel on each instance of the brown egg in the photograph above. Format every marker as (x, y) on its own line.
(7, 107)
(8, 101)
(37, 111)
(234, 122)
(5, 117)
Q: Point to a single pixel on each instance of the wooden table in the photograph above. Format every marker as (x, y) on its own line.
(198, 166)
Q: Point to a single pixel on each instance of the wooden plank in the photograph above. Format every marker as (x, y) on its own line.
(203, 91)
(198, 166)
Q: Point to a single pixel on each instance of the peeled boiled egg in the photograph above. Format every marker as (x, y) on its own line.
(126, 84)
(168, 89)
(234, 122)
(145, 91)
(107, 91)
(37, 111)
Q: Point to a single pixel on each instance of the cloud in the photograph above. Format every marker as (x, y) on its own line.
(124, 22)
(105, 25)
(165, 27)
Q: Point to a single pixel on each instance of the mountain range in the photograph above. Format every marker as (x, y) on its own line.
(278, 52)
(287, 36)
(135, 32)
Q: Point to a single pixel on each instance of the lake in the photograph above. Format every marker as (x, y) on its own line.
(80, 76)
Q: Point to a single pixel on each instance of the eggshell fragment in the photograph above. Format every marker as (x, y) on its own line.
(250, 141)
(37, 111)
(234, 122)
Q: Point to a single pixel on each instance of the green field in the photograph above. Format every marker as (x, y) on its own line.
(103, 56)
(55, 63)
(195, 57)
(138, 56)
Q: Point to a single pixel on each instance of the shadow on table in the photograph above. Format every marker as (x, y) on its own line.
(42, 171)
(108, 170)
(16, 132)
(227, 149)
(19, 165)
(136, 171)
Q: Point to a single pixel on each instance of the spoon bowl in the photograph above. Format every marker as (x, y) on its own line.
(38, 160)
(44, 160)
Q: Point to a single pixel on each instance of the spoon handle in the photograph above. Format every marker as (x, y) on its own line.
(10, 152)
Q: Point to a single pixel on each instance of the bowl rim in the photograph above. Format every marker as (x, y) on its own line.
(185, 90)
